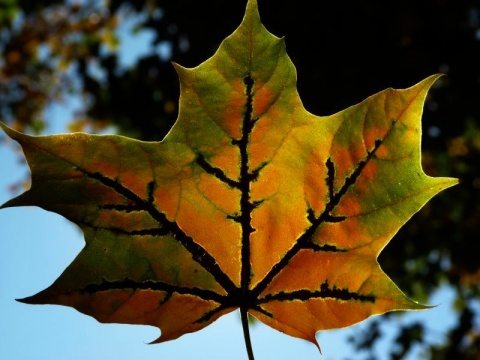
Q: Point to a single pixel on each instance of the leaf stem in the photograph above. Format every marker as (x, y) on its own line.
(246, 332)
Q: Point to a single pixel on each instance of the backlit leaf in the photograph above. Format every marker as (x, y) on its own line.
(250, 201)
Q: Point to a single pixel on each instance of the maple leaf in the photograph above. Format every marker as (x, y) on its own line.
(249, 202)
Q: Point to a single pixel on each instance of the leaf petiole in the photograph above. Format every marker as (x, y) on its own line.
(246, 332)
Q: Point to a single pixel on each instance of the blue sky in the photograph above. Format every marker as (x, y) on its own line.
(36, 246)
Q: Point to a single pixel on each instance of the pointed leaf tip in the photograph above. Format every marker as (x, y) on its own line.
(14, 134)
(252, 6)
(8, 130)
(251, 11)
(429, 81)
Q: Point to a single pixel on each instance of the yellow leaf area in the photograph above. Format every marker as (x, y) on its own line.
(249, 202)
